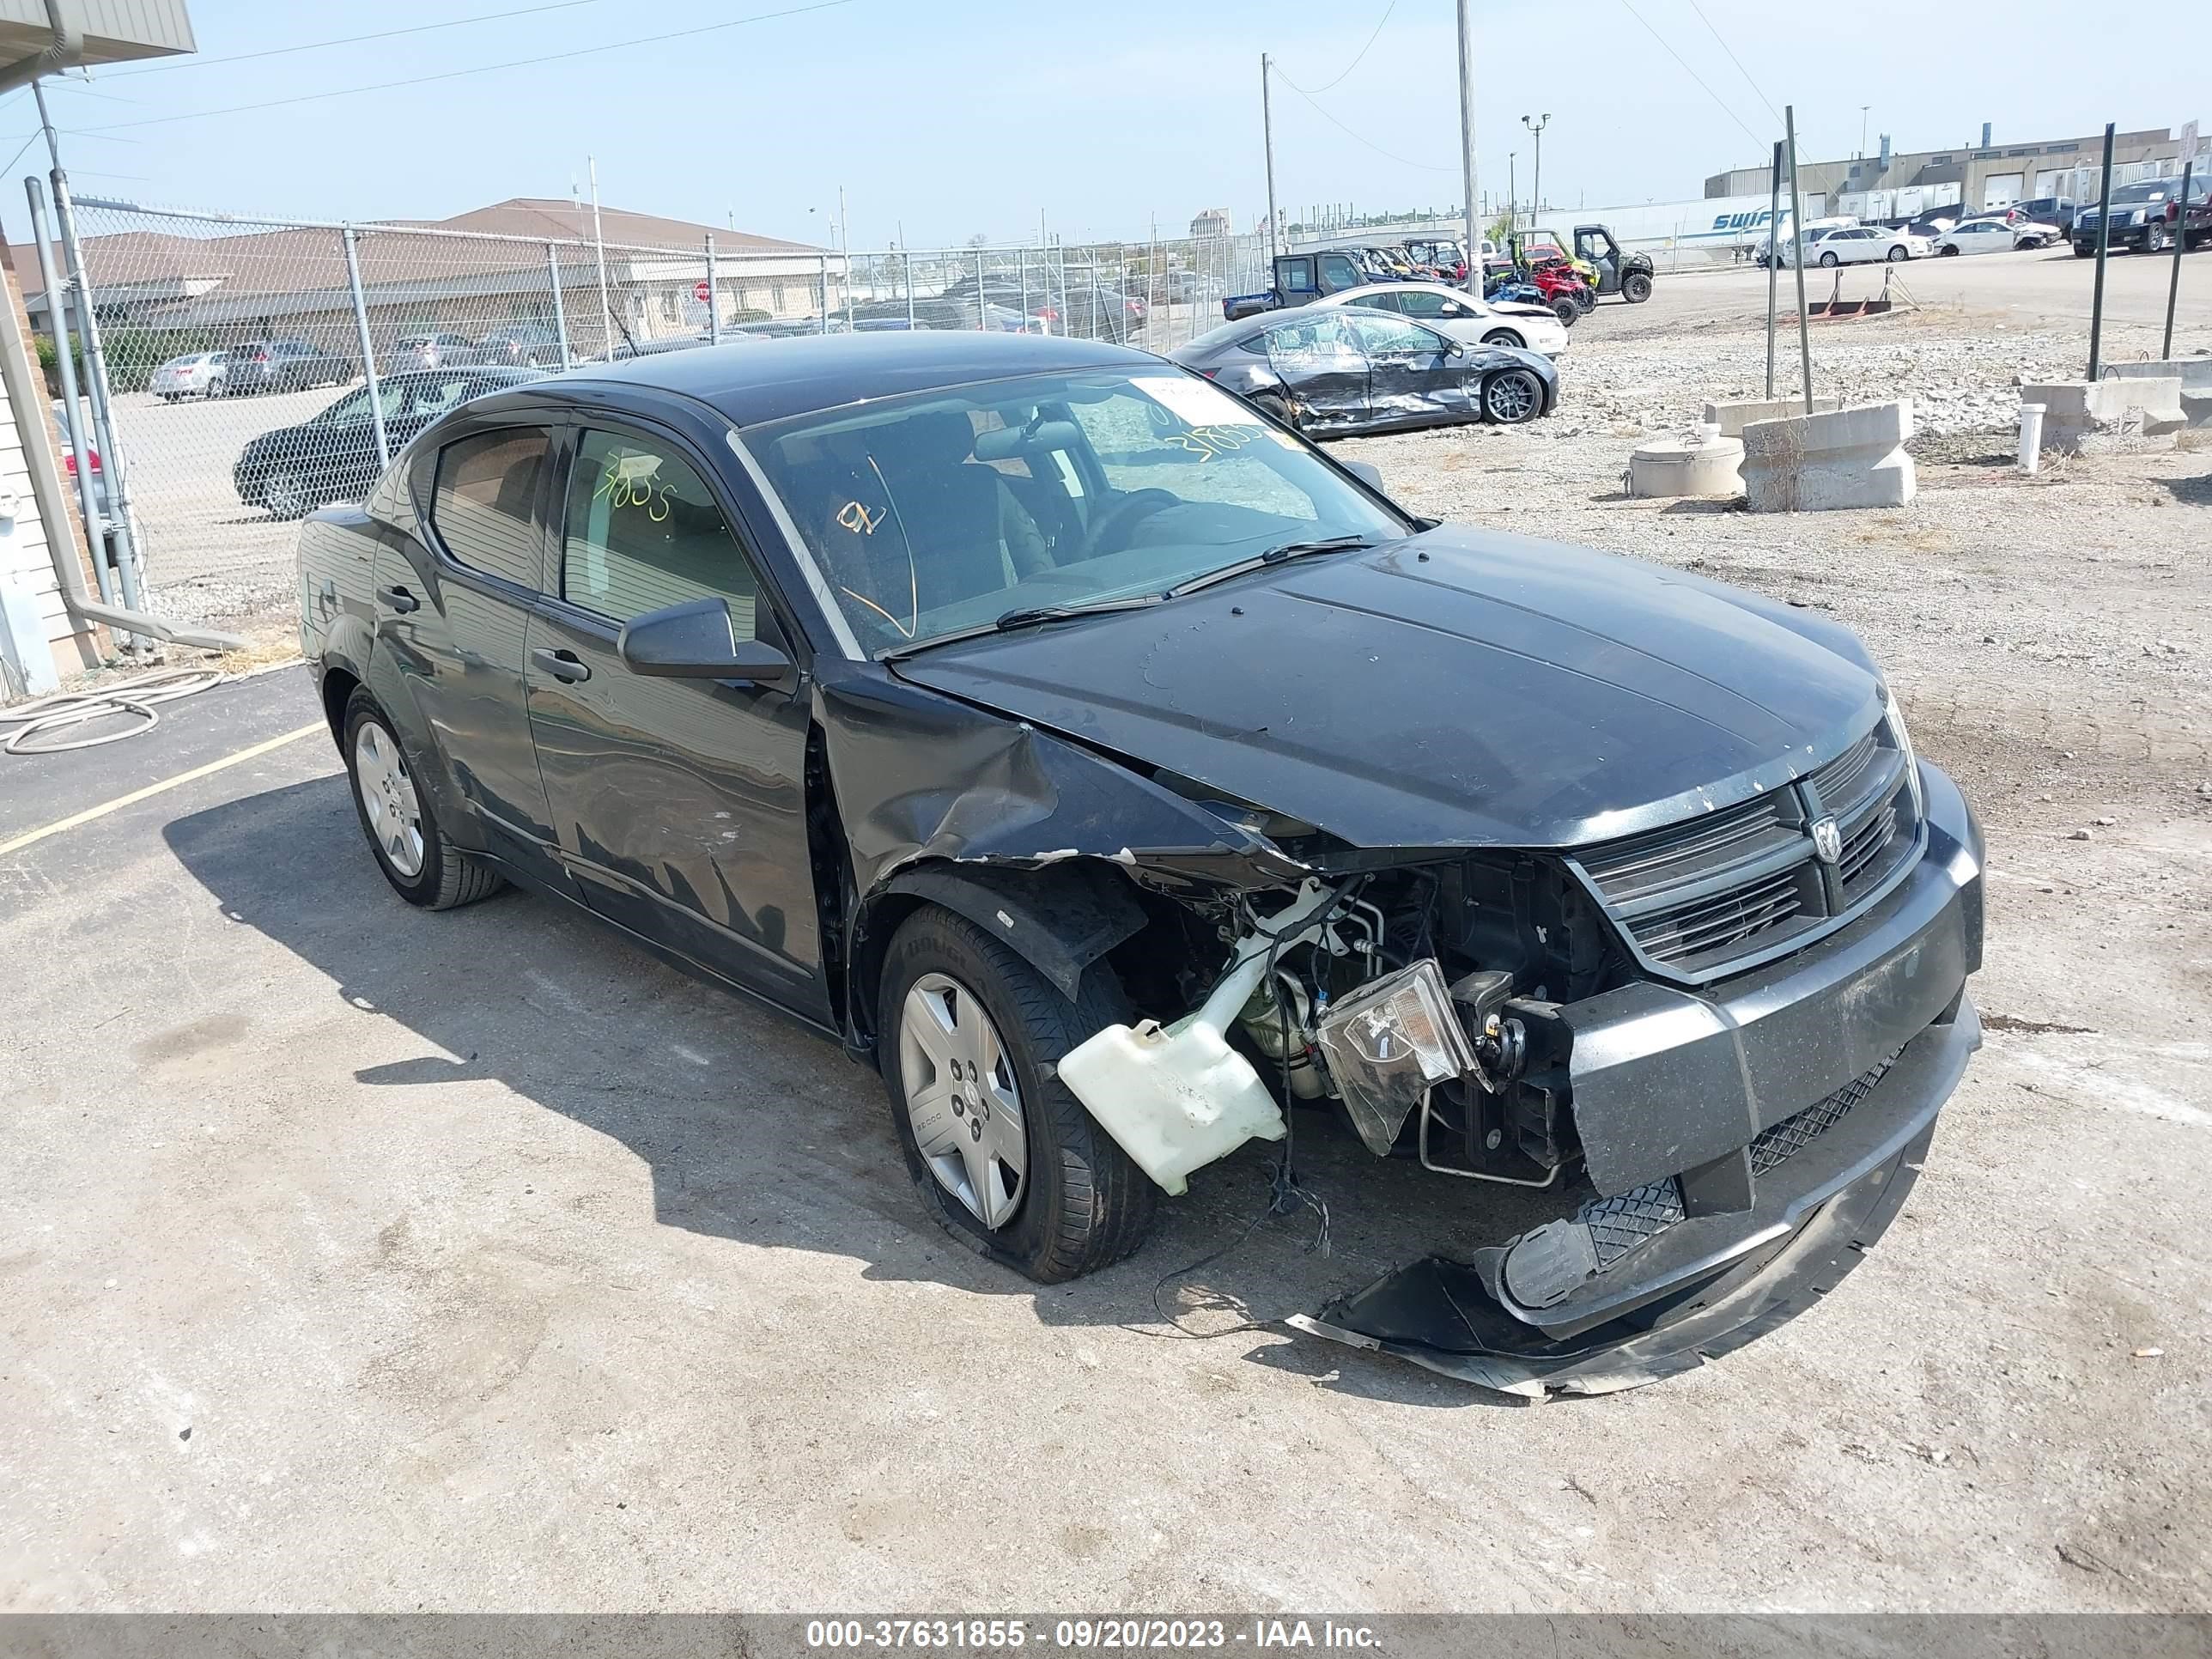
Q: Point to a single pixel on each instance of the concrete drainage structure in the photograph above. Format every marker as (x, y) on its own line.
(2130, 416)
(1843, 458)
(1702, 464)
(2195, 374)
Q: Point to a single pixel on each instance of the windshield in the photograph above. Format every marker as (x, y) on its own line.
(939, 513)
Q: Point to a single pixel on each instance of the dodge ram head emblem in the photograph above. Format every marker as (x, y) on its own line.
(1827, 839)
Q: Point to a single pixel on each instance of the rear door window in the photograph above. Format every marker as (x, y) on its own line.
(484, 499)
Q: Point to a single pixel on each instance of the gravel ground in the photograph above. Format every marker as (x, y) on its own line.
(389, 1260)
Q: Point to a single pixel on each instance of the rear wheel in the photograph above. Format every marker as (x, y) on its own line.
(1636, 287)
(423, 866)
(1504, 336)
(1512, 396)
(1009, 1162)
(1275, 408)
(1566, 311)
(285, 492)
(1829, 259)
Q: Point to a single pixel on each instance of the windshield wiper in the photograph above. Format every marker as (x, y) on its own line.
(1280, 555)
(1026, 615)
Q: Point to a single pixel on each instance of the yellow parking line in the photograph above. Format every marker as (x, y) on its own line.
(152, 789)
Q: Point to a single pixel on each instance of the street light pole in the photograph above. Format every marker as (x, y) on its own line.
(1536, 189)
(1864, 108)
(1267, 137)
(1467, 150)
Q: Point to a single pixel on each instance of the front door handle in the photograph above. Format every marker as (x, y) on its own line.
(561, 664)
(398, 599)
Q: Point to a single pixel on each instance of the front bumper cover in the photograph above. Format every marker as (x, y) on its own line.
(1818, 1080)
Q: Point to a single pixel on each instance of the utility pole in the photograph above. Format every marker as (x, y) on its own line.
(1773, 260)
(1864, 108)
(1467, 150)
(1798, 253)
(599, 243)
(1268, 137)
(1536, 190)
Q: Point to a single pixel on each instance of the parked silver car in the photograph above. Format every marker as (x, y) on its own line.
(195, 375)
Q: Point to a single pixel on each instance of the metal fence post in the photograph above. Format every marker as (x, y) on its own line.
(825, 293)
(367, 347)
(1022, 264)
(906, 268)
(2104, 246)
(714, 297)
(2180, 241)
(114, 467)
(560, 309)
(72, 417)
(983, 316)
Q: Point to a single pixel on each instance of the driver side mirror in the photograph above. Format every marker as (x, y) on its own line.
(695, 641)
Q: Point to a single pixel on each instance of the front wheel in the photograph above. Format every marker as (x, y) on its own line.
(423, 866)
(2155, 238)
(1512, 396)
(1011, 1163)
(1566, 311)
(1899, 255)
(1950, 253)
(1504, 336)
(1636, 287)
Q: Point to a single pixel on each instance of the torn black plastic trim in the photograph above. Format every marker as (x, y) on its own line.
(1710, 1285)
(1060, 917)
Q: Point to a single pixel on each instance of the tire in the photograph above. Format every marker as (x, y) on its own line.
(1636, 287)
(1080, 1204)
(1830, 260)
(1899, 255)
(1275, 410)
(1566, 311)
(2153, 238)
(443, 877)
(285, 493)
(1504, 336)
(1950, 252)
(1511, 397)
(2085, 250)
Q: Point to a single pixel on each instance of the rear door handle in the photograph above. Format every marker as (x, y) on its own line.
(398, 599)
(561, 664)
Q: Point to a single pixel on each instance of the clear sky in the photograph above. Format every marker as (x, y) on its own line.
(948, 118)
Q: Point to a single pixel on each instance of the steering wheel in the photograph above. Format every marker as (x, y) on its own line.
(1125, 512)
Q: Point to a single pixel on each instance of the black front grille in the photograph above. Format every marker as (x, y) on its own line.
(1781, 1141)
(1700, 898)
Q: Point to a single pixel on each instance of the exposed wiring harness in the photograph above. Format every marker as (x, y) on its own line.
(135, 698)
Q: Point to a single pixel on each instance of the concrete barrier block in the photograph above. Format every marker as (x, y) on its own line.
(1818, 462)
(2130, 415)
(2195, 374)
(1711, 467)
(1733, 415)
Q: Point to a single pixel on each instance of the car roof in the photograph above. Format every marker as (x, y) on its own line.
(768, 379)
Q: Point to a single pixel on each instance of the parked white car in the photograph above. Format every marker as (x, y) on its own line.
(1996, 233)
(1461, 315)
(1861, 245)
(196, 374)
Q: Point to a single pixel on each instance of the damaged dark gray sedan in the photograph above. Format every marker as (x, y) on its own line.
(1115, 773)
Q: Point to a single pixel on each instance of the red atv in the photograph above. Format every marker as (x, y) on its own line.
(1565, 292)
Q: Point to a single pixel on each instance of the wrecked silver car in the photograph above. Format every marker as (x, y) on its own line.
(1117, 774)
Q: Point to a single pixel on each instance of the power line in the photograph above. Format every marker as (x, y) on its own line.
(482, 69)
(1737, 61)
(1354, 63)
(1693, 74)
(350, 39)
(1402, 160)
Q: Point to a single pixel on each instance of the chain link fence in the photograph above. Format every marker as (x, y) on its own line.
(260, 367)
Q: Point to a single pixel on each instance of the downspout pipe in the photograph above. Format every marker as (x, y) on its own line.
(65, 51)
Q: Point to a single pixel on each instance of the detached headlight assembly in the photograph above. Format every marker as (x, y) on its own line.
(1388, 1043)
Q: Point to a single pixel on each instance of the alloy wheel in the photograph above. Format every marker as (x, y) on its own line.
(1510, 398)
(284, 494)
(962, 1098)
(388, 799)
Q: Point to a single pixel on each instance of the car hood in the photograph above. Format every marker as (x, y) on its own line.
(1459, 688)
